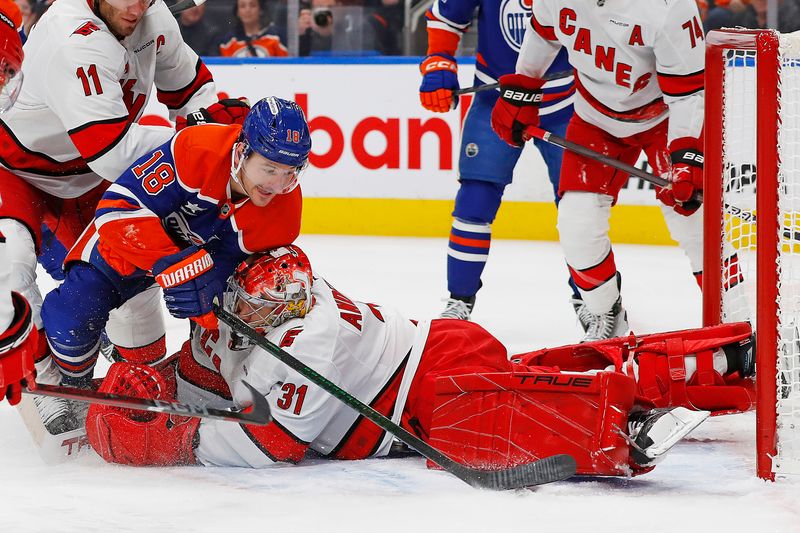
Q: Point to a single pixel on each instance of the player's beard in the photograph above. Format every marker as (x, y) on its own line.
(119, 23)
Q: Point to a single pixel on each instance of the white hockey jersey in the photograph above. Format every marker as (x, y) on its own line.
(637, 61)
(74, 121)
(369, 350)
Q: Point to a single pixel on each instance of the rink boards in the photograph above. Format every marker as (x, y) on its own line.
(382, 165)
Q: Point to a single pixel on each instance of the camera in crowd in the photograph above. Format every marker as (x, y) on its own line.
(323, 16)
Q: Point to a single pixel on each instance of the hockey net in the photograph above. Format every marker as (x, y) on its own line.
(752, 270)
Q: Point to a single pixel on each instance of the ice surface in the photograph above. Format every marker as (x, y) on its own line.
(705, 484)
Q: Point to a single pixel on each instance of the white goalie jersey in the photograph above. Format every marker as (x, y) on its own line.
(74, 122)
(636, 61)
(363, 348)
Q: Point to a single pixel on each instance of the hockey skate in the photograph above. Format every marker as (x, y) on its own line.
(614, 323)
(652, 433)
(459, 308)
(583, 314)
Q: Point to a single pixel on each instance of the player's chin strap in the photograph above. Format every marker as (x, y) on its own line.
(547, 470)
(237, 167)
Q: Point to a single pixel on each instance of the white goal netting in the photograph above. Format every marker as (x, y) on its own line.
(739, 244)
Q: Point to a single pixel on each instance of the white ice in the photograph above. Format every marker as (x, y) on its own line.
(707, 483)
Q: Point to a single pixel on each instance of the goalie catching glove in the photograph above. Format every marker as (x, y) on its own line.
(517, 108)
(687, 176)
(139, 438)
(190, 285)
(226, 111)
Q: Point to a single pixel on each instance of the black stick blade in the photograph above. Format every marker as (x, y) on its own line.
(547, 470)
(258, 412)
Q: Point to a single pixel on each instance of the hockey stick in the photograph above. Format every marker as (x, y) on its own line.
(489, 86)
(258, 413)
(475, 89)
(546, 136)
(183, 5)
(746, 216)
(547, 470)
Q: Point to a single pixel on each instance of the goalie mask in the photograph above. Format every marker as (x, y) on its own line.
(268, 289)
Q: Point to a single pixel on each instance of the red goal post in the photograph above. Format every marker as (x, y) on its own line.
(752, 270)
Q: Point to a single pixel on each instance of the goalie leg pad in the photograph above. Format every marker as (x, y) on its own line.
(675, 369)
(506, 419)
(135, 437)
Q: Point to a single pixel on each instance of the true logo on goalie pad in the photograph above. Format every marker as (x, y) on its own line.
(556, 380)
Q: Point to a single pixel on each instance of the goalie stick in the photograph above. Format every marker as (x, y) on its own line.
(257, 413)
(547, 470)
(183, 5)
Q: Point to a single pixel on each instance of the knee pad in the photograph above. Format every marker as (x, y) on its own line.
(136, 328)
(18, 268)
(478, 201)
(583, 227)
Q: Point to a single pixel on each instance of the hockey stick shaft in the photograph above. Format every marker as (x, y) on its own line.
(183, 5)
(496, 85)
(475, 89)
(546, 470)
(579, 149)
(258, 413)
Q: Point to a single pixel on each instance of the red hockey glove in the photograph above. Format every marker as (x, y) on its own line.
(190, 285)
(517, 107)
(439, 80)
(687, 176)
(18, 345)
(227, 111)
(139, 438)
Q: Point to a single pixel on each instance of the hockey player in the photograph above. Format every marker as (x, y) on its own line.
(182, 217)
(403, 369)
(639, 79)
(18, 337)
(486, 164)
(90, 69)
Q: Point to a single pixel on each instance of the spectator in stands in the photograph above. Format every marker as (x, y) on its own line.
(384, 25)
(723, 14)
(253, 35)
(702, 6)
(197, 32)
(315, 26)
(754, 15)
(31, 11)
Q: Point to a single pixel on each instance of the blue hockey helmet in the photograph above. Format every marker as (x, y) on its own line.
(277, 129)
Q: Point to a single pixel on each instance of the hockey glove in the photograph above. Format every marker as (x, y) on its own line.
(227, 111)
(687, 176)
(439, 80)
(17, 347)
(190, 285)
(139, 438)
(517, 107)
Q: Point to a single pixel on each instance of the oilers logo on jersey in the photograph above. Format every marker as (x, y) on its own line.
(178, 227)
(514, 18)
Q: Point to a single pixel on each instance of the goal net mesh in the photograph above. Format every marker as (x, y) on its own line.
(739, 243)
